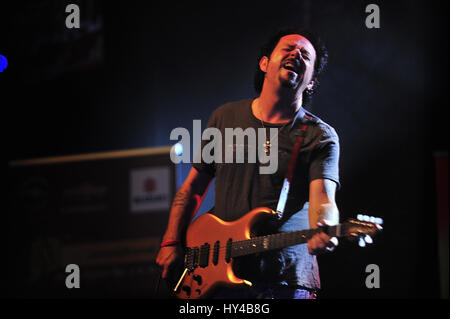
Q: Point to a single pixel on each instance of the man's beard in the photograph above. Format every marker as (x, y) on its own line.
(292, 82)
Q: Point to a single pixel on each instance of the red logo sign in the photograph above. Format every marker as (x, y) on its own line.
(149, 185)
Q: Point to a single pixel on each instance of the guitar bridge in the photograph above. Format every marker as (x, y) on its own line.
(191, 258)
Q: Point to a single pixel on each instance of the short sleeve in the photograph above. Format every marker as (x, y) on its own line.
(199, 164)
(325, 156)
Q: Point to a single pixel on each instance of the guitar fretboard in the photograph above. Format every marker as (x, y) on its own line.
(277, 241)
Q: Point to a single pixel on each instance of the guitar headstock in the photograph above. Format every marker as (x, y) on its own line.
(364, 228)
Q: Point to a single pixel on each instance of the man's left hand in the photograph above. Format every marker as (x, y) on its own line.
(321, 242)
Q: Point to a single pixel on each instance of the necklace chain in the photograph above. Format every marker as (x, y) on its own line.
(268, 143)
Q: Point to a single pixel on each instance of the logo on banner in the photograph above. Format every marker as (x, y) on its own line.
(150, 189)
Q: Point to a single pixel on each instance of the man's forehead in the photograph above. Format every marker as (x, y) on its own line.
(297, 39)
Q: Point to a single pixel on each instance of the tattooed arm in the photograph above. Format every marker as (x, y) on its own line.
(322, 209)
(185, 204)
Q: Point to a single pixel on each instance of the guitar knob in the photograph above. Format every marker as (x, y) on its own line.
(187, 289)
(368, 239)
(361, 242)
(198, 279)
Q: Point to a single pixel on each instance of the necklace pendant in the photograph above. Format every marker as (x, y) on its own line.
(267, 147)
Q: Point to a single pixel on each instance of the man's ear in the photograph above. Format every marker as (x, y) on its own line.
(263, 64)
(311, 83)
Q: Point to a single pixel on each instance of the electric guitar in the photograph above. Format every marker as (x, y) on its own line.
(212, 244)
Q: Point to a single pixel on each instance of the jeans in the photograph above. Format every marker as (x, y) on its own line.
(266, 292)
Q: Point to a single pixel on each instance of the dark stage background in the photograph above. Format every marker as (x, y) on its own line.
(136, 70)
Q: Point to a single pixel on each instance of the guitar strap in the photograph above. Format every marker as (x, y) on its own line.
(292, 162)
(291, 166)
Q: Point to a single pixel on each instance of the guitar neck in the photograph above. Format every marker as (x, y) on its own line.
(280, 240)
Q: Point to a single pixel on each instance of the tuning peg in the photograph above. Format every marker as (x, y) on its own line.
(371, 219)
(361, 242)
(368, 239)
(363, 218)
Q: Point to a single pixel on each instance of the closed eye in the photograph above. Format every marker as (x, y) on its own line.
(305, 54)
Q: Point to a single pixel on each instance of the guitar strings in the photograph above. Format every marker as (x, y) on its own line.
(255, 240)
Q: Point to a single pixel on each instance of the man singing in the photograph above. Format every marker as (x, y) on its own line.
(287, 73)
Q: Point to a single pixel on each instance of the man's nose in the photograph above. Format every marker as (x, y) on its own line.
(295, 53)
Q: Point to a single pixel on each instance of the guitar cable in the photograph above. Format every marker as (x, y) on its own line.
(157, 285)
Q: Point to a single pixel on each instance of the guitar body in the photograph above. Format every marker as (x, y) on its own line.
(212, 244)
(210, 232)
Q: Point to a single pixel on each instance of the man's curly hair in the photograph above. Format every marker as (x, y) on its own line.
(319, 65)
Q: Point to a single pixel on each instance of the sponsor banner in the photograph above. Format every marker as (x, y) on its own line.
(142, 250)
(150, 189)
(34, 194)
(85, 198)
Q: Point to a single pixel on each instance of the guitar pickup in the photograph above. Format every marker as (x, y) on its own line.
(195, 253)
(216, 253)
(228, 250)
(204, 255)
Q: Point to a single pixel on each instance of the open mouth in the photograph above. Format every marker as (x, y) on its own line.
(292, 65)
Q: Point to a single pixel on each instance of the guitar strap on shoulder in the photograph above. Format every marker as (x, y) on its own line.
(292, 163)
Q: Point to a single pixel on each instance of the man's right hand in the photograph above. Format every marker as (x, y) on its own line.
(169, 258)
(185, 204)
